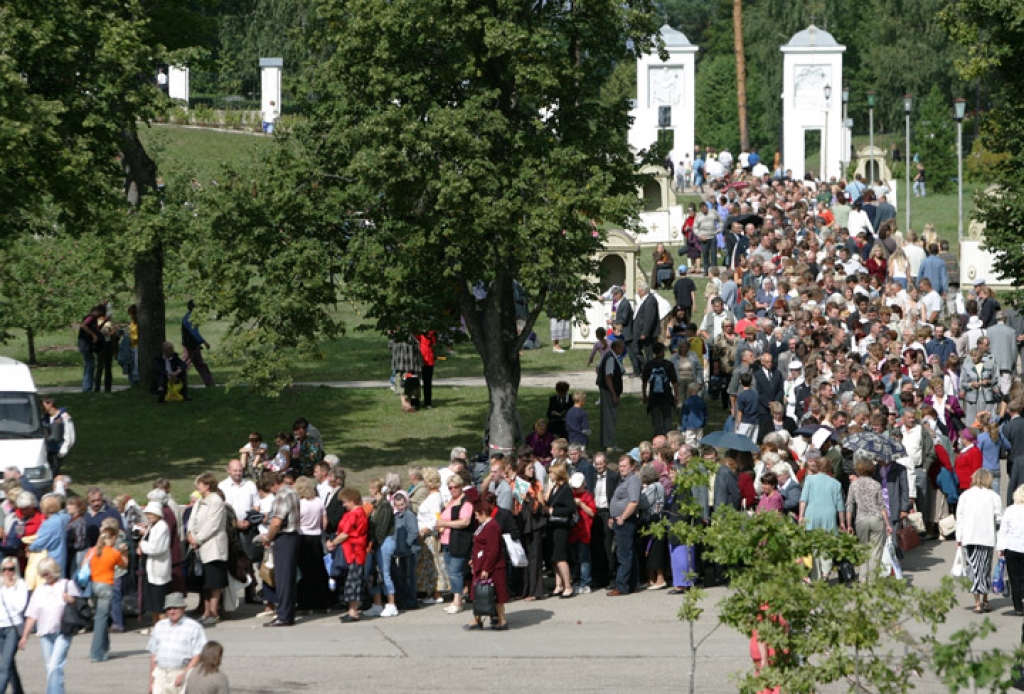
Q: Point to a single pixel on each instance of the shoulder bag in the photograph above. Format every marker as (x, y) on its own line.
(78, 614)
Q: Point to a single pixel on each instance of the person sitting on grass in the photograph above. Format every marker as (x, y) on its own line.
(170, 369)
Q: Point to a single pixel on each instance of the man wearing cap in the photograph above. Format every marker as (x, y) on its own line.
(685, 292)
(175, 647)
(623, 311)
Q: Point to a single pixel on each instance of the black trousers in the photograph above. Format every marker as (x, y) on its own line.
(602, 558)
(428, 385)
(533, 543)
(1015, 575)
(286, 569)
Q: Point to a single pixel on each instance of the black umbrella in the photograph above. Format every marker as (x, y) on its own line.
(756, 220)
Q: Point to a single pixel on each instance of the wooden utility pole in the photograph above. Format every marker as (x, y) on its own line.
(741, 73)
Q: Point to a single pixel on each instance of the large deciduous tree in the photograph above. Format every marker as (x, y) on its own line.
(471, 141)
(991, 33)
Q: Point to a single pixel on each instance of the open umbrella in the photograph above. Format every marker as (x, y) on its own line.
(881, 447)
(729, 440)
(738, 185)
(756, 220)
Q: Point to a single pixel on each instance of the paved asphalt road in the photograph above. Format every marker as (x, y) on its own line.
(589, 643)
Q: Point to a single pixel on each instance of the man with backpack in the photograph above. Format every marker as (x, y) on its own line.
(660, 390)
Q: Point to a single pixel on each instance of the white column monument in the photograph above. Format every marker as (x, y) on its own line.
(178, 83)
(665, 96)
(270, 93)
(812, 85)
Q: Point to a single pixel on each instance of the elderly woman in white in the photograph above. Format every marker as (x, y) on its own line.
(978, 512)
(155, 546)
(1010, 545)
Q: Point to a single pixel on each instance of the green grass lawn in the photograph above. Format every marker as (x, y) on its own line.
(126, 440)
(198, 152)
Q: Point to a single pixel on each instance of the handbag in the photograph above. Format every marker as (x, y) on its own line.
(916, 519)
(78, 614)
(999, 583)
(83, 577)
(194, 578)
(174, 392)
(266, 572)
(947, 525)
(907, 537)
(959, 568)
(847, 574)
(484, 598)
(894, 560)
(339, 566)
(516, 553)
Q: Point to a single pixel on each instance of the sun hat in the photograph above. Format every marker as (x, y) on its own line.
(577, 480)
(175, 600)
(154, 507)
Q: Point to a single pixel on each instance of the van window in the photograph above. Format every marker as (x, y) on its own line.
(19, 416)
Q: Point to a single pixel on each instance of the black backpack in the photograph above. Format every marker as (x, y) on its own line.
(659, 380)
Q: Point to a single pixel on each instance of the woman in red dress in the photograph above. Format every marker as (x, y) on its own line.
(488, 563)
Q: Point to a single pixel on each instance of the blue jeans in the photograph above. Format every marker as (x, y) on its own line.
(103, 595)
(580, 552)
(382, 558)
(116, 605)
(455, 566)
(626, 580)
(55, 648)
(902, 281)
(919, 189)
(88, 364)
(8, 668)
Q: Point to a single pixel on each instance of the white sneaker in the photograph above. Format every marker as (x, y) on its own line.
(389, 611)
(453, 609)
(585, 590)
(375, 611)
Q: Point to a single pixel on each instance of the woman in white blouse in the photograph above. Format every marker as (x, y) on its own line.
(978, 512)
(313, 589)
(431, 577)
(1010, 544)
(13, 599)
(44, 614)
(155, 545)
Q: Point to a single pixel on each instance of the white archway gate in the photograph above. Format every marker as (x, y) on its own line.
(811, 98)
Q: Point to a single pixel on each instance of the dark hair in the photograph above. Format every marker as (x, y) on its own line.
(300, 423)
(770, 478)
(746, 380)
(483, 506)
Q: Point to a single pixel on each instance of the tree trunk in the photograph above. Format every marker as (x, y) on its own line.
(741, 73)
(30, 336)
(149, 302)
(140, 178)
(492, 327)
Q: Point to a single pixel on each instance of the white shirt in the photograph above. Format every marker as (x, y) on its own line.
(430, 508)
(915, 254)
(1011, 530)
(932, 303)
(13, 600)
(601, 490)
(156, 545)
(912, 442)
(323, 490)
(242, 498)
(977, 514)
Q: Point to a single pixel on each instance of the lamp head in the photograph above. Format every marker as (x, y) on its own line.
(959, 109)
(846, 93)
(828, 92)
(871, 99)
(908, 103)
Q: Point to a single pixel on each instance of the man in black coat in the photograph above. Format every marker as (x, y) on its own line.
(606, 480)
(770, 388)
(624, 317)
(645, 328)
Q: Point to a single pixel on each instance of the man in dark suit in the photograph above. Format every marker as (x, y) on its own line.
(645, 329)
(606, 480)
(770, 388)
(624, 317)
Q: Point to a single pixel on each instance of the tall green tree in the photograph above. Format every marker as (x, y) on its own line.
(933, 139)
(991, 34)
(470, 146)
(715, 109)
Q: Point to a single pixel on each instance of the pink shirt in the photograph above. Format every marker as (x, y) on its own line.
(311, 516)
(465, 513)
(47, 605)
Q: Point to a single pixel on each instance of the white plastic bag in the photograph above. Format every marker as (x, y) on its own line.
(959, 569)
(894, 560)
(516, 553)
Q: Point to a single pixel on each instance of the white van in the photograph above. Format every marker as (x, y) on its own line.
(22, 436)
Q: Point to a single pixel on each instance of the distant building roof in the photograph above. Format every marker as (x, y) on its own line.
(812, 37)
(673, 37)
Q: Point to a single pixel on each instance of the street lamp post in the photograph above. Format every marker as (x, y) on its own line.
(844, 147)
(871, 133)
(959, 111)
(908, 102)
(824, 143)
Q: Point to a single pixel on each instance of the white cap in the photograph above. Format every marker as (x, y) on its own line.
(796, 365)
(154, 507)
(577, 480)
